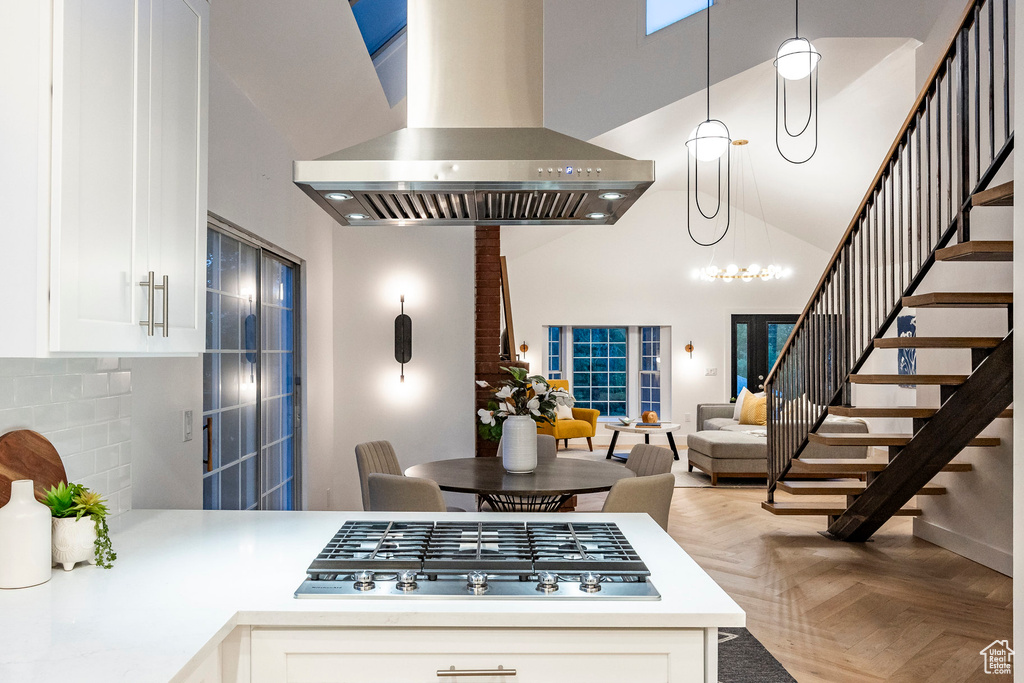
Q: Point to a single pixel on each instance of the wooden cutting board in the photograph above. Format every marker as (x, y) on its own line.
(25, 454)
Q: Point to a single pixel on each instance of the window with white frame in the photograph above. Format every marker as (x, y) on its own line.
(618, 370)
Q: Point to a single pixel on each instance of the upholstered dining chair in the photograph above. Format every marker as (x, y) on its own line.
(378, 457)
(646, 460)
(375, 457)
(397, 493)
(652, 495)
(547, 447)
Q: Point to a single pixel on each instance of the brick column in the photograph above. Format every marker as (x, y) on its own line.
(488, 323)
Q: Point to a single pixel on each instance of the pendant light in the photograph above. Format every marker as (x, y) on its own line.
(708, 142)
(748, 247)
(796, 60)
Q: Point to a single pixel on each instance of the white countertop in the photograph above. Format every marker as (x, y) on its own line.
(184, 579)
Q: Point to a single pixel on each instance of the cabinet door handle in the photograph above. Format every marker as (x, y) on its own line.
(453, 672)
(164, 326)
(150, 285)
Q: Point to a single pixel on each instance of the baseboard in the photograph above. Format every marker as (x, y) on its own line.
(993, 558)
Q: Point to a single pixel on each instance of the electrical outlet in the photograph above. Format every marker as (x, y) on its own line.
(186, 425)
(687, 417)
(711, 372)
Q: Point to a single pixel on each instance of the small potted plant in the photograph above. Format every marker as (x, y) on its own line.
(80, 531)
(519, 402)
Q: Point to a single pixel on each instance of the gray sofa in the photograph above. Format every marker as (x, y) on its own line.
(723, 447)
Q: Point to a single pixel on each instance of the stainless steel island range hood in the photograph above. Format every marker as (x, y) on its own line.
(474, 176)
(475, 151)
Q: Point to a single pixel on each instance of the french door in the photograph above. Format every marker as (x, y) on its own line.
(250, 388)
(757, 341)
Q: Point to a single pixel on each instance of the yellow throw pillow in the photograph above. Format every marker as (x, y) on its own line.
(755, 410)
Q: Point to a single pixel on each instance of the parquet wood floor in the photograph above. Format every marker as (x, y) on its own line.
(895, 609)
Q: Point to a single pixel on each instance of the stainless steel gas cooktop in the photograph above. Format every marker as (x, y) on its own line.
(503, 560)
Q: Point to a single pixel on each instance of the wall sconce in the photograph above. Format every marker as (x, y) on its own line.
(689, 349)
(524, 348)
(403, 338)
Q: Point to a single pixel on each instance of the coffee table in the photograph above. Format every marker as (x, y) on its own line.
(555, 481)
(666, 428)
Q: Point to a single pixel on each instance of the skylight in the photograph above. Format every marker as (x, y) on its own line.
(382, 25)
(662, 13)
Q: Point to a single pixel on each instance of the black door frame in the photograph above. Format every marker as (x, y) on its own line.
(757, 354)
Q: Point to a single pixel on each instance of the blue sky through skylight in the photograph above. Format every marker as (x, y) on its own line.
(662, 13)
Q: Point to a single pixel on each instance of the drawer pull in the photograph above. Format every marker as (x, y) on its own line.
(500, 671)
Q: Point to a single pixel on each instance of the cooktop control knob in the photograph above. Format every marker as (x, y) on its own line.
(364, 580)
(590, 582)
(477, 581)
(406, 580)
(547, 582)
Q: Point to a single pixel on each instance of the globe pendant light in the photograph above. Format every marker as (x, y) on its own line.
(796, 60)
(707, 143)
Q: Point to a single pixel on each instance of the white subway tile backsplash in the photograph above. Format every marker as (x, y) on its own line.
(33, 390)
(94, 436)
(50, 417)
(83, 406)
(94, 386)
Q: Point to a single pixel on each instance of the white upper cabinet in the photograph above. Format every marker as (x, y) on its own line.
(120, 162)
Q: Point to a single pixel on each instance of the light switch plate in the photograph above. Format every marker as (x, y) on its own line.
(687, 417)
(186, 425)
(711, 372)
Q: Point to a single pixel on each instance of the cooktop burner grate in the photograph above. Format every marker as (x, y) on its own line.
(380, 546)
(496, 547)
(587, 546)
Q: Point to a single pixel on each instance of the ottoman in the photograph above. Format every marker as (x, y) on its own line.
(728, 453)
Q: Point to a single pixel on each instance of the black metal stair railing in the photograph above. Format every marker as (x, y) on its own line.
(953, 142)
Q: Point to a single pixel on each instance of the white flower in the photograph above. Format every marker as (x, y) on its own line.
(486, 416)
(540, 388)
(481, 383)
(506, 408)
(534, 405)
(504, 392)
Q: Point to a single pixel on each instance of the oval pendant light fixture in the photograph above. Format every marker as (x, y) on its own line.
(708, 142)
(796, 60)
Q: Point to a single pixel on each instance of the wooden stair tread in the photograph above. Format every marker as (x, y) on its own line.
(937, 342)
(1000, 195)
(842, 487)
(884, 440)
(799, 508)
(914, 380)
(893, 411)
(980, 250)
(840, 466)
(958, 300)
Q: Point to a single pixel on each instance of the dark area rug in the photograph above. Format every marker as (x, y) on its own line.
(743, 659)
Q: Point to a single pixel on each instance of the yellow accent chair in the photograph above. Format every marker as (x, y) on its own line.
(583, 424)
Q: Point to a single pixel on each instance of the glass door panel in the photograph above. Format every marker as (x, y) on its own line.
(757, 341)
(249, 383)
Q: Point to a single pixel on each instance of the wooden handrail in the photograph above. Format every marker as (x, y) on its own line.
(935, 74)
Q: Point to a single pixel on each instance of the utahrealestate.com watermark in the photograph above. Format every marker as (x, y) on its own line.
(998, 658)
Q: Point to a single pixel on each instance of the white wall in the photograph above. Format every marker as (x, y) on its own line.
(974, 518)
(251, 186)
(640, 272)
(431, 415)
(84, 407)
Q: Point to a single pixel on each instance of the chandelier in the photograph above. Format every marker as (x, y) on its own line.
(743, 231)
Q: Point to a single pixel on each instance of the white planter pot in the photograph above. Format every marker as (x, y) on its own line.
(519, 444)
(24, 538)
(74, 541)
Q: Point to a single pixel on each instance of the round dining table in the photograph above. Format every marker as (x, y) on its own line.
(546, 489)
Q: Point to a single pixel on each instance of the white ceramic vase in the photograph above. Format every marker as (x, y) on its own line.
(519, 444)
(74, 541)
(24, 538)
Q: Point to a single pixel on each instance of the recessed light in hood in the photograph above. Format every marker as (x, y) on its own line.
(475, 176)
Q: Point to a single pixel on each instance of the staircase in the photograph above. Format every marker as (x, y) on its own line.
(939, 171)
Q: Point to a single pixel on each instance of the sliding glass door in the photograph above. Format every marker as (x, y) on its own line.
(250, 388)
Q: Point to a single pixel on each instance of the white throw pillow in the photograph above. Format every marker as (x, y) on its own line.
(563, 412)
(739, 404)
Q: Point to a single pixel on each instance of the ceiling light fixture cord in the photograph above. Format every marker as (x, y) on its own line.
(695, 172)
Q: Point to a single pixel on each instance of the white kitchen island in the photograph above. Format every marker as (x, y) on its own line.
(208, 596)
